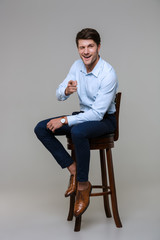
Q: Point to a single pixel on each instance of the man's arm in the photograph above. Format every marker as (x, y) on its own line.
(56, 123)
(65, 89)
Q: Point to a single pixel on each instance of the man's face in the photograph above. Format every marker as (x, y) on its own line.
(89, 53)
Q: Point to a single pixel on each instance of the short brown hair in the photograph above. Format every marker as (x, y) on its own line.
(88, 33)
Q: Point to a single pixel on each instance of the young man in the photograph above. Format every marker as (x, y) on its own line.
(95, 82)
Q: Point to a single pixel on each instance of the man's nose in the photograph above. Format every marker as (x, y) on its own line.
(86, 51)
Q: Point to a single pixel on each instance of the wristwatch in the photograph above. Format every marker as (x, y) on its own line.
(63, 120)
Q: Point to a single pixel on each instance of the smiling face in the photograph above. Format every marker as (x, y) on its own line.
(89, 53)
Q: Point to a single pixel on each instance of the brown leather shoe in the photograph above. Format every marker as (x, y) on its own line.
(72, 186)
(82, 201)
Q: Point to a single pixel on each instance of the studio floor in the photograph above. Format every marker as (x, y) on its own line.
(42, 215)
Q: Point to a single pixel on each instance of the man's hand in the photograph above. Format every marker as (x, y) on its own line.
(71, 87)
(55, 123)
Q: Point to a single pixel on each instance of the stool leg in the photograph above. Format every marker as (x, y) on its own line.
(72, 197)
(104, 183)
(77, 226)
(71, 207)
(113, 189)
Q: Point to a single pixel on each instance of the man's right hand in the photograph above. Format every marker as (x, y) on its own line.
(71, 87)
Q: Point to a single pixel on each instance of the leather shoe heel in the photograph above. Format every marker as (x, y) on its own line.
(72, 186)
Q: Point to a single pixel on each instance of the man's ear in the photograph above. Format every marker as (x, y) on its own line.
(99, 46)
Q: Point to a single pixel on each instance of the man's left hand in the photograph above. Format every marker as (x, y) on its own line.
(55, 123)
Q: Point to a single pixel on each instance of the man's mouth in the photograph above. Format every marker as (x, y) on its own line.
(86, 57)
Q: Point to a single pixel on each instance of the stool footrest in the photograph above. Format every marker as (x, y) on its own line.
(100, 186)
(100, 193)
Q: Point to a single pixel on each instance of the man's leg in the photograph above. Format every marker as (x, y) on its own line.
(80, 136)
(53, 145)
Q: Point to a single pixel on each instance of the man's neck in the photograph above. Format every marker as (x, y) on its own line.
(89, 68)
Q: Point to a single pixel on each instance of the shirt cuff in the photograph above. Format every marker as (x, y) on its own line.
(72, 120)
(61, 95)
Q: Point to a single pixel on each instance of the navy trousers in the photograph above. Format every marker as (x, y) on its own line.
(80, 135)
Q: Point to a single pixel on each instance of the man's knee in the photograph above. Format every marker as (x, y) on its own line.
(39, 129)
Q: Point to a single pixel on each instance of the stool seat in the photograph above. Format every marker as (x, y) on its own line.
(104, 144)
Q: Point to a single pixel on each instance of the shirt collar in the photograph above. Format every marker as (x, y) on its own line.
(95, 70)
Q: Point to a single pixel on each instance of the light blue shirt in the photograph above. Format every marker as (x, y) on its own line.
(96, 91)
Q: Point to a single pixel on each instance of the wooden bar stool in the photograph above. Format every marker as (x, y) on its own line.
(104, 145)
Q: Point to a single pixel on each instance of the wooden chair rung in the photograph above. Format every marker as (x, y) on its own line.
(100, 194)
(100, 186)
(107, 191)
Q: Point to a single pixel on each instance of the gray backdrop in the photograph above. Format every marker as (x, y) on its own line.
(37, 48)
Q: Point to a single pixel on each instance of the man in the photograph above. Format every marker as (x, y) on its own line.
(95, 82)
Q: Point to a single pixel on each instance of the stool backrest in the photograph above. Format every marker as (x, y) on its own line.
(117, 101)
